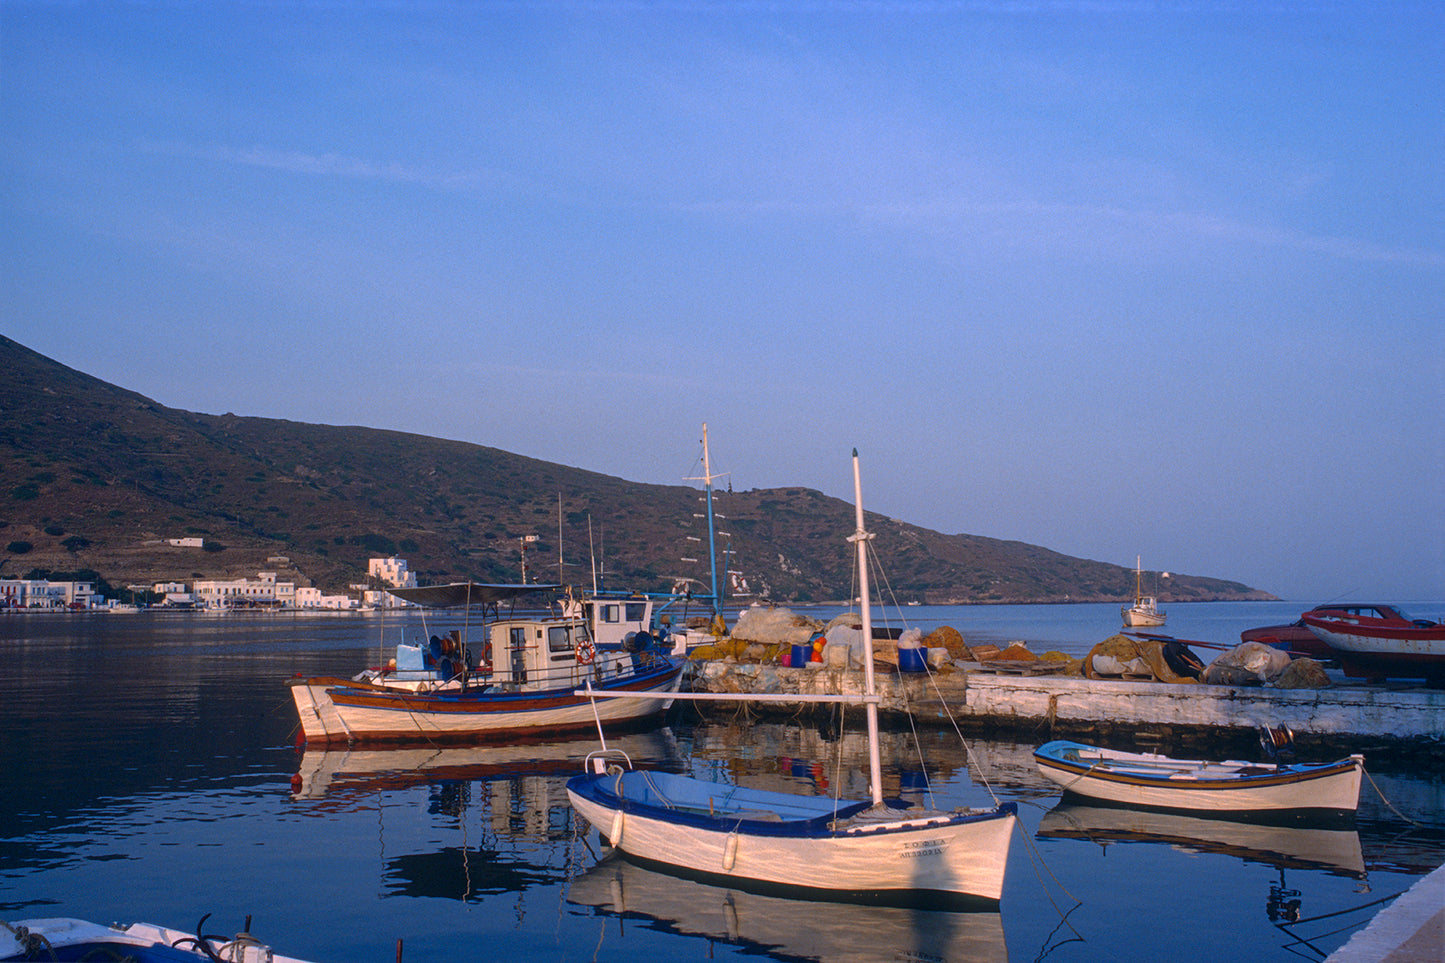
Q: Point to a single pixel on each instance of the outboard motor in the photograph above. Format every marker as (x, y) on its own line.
(1278, 744)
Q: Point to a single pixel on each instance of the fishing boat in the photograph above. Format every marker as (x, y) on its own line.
(1381, 640)
(518, 681)
(1145, 609)
(72, 939)
(814, 846)
(1287, 790)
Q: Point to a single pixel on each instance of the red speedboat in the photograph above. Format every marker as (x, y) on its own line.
(1296, 637)
(1381, 640)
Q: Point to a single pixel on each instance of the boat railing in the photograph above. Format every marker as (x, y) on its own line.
(599, 760)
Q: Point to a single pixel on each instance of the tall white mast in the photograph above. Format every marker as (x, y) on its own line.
(860, 538)
(707, 477)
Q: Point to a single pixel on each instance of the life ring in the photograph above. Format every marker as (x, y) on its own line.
(586, 651)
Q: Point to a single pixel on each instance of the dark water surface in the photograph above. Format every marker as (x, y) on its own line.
(148, 775)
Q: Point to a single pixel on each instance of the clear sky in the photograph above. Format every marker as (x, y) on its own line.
(1114, 278)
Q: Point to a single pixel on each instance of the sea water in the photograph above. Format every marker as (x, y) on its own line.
(151, 773)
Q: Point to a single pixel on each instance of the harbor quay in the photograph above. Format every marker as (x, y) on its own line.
(1389, 717)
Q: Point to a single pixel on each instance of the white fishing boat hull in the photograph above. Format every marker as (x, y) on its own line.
(1420, 645)
(950, 856)
(1149, 780)
(1142, 613)
(333, 711)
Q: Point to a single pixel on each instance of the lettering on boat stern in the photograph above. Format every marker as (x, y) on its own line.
(923, 847)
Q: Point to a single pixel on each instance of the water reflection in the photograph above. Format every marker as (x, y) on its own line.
(1335, 850)
(153, 777)
(346, 774)
(503, 808)
(786, 928)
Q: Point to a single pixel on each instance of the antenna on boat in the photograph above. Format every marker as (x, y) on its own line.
(592, 548)
(860, 539)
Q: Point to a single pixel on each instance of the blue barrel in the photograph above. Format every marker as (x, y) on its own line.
(802, 655)
(912, 658)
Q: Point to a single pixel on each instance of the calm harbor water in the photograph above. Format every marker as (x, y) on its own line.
(150, 773)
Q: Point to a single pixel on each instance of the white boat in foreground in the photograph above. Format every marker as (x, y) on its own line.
(72, 939)
(1231, 787)
(815, 846)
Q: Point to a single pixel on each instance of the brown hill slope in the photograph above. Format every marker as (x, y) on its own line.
(95, 477)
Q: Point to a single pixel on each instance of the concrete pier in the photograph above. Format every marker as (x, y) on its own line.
(1406, 716)
(1409, 930)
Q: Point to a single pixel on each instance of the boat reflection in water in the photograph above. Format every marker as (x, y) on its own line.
(786, 928)
(1297, 846)
(344, 774)
(517, 792)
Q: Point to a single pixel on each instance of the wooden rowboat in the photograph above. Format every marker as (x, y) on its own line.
(1231, 787)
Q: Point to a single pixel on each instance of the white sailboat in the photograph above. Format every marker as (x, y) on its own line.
(1145, 609)
(815, 846)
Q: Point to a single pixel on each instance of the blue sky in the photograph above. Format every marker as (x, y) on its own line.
(1114, 278)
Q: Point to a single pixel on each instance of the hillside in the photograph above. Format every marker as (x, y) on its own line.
(95, 477)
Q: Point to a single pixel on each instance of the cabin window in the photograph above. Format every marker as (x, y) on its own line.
(559, 638)
(609, 613)
(636, 611)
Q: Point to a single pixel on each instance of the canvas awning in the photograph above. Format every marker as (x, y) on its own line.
(468, 593)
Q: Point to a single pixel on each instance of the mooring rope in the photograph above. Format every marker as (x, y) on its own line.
(1387, 802)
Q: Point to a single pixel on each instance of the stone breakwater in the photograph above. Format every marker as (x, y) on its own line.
(1043, 705)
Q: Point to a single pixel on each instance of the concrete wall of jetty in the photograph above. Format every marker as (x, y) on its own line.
(1041, 707)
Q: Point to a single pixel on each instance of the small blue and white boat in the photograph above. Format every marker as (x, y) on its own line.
(812, 846)
(1231, 787)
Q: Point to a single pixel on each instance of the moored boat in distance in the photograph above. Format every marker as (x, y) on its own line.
(1381, 640)
(1144, 610)
(519, 680)
(1146, 779)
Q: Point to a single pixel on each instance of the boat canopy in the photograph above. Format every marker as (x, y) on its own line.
(468, 593)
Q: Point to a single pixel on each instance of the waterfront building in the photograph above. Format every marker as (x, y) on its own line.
(264, 591)
(39, 593)
(391, 571)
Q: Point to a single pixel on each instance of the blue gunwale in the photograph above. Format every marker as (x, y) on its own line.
(725, 808)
